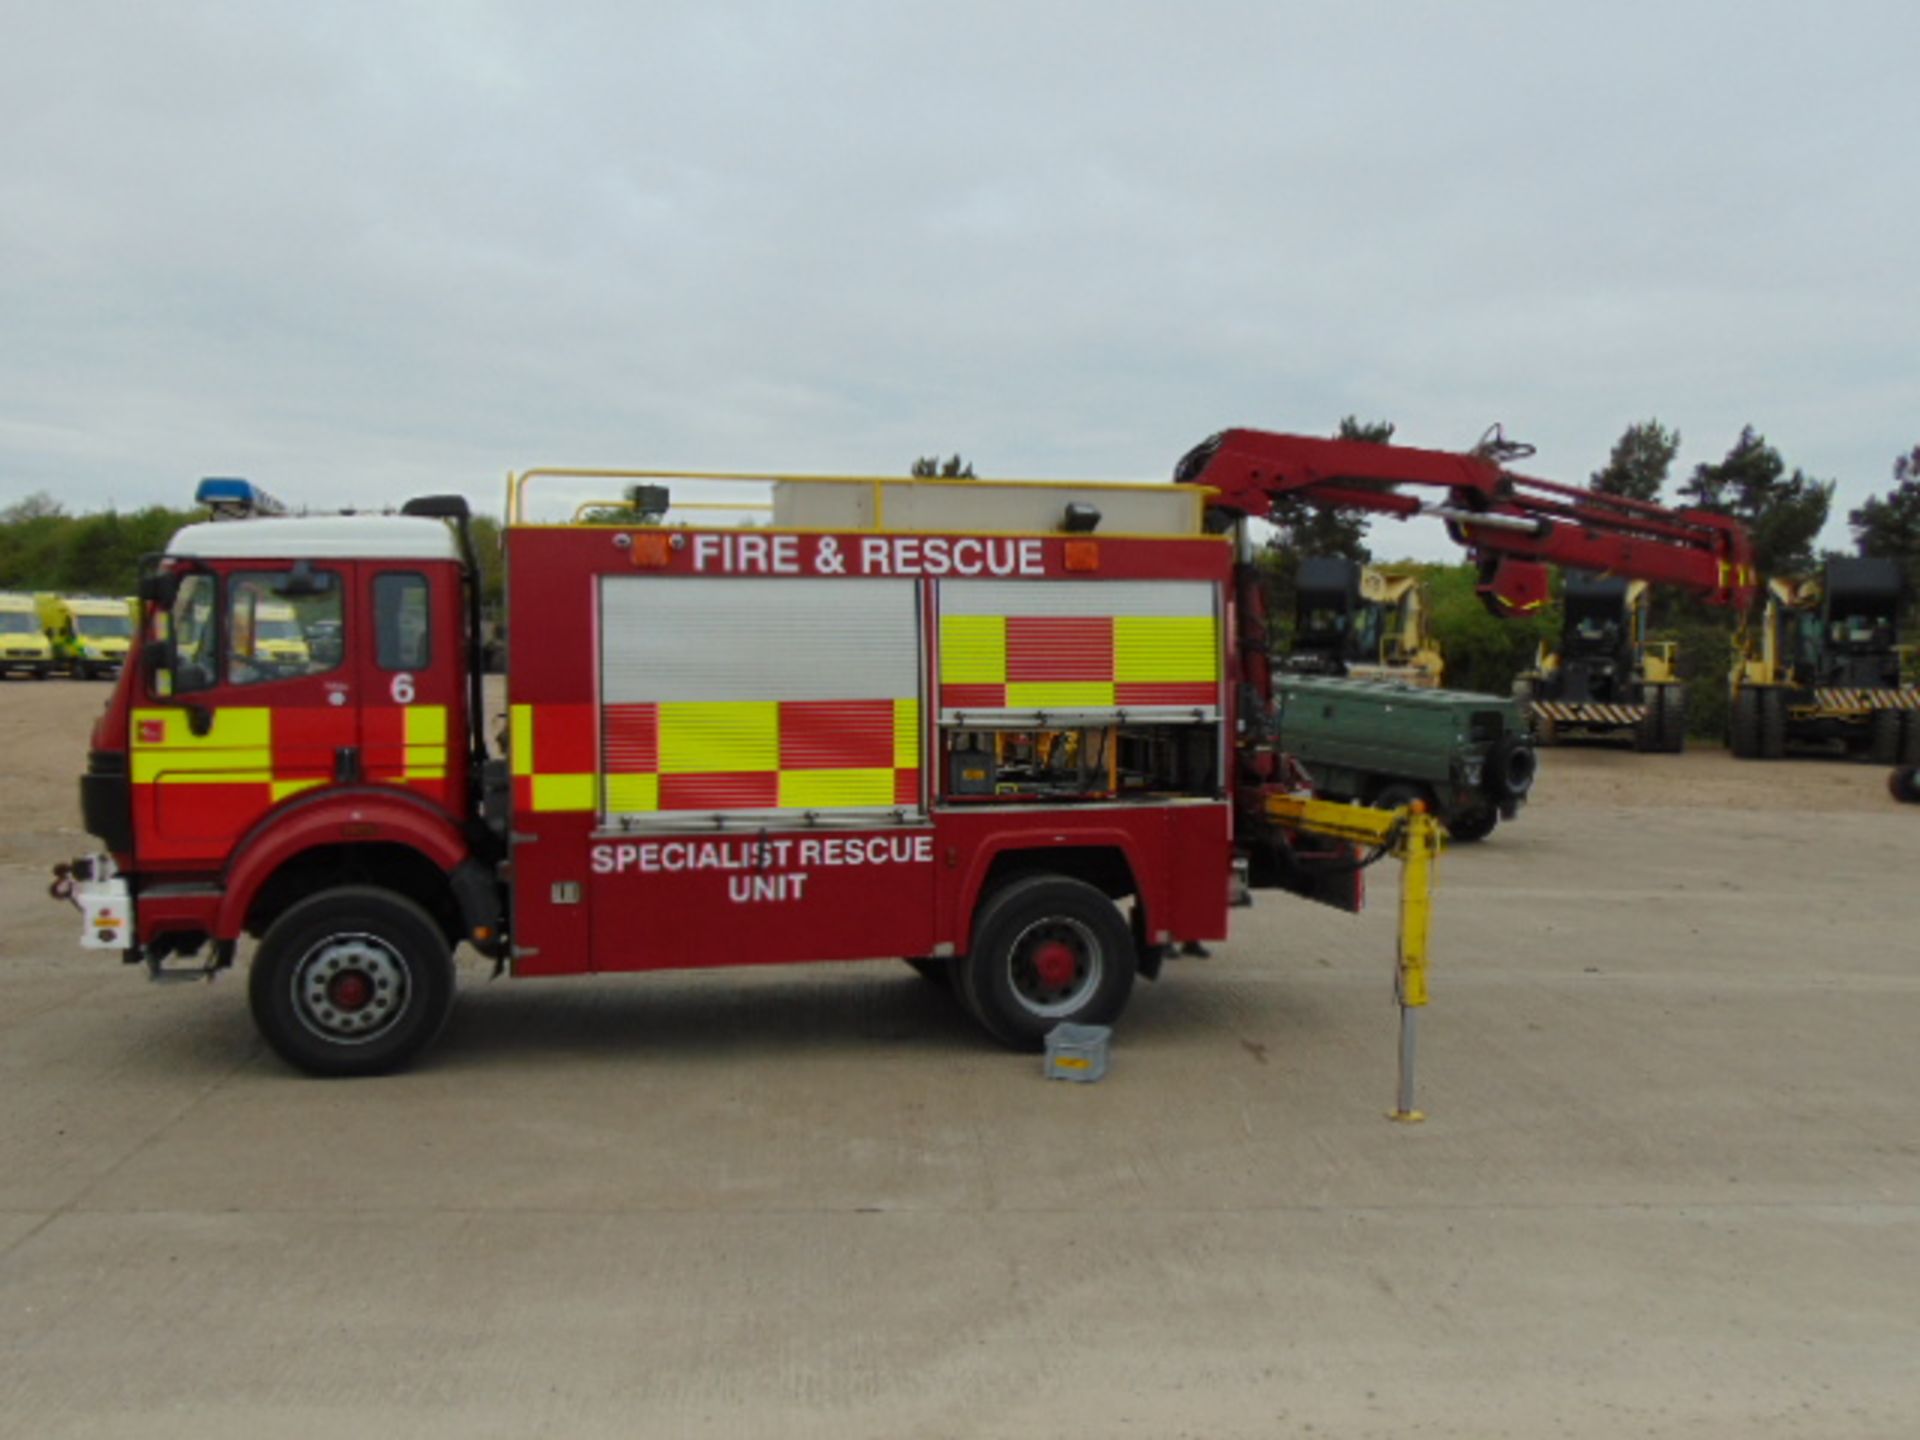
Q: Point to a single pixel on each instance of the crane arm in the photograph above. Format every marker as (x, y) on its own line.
(1514, 525)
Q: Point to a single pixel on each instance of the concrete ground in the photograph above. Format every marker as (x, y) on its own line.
(1670, 1185)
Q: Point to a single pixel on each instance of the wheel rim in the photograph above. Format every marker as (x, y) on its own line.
(1054, 966)
(350, 989)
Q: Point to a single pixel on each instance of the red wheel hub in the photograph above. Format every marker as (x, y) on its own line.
(1055, 962)
(350, 990)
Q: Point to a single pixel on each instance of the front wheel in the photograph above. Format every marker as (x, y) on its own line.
(352, 981)
(1047, 950)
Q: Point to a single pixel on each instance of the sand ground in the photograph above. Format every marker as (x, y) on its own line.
(1670, 1185)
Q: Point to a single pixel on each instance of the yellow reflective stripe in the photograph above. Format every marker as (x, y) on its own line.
(520, 738)
(1055, 694)
(973, 649)
(633, 792)
(563, 792)
(283, 788)
(426, 725)
(906, 734)
(421, 758)
(824, 789)
(215, 777)
(1165, 648)
(151, 765)
(233, 727)
(699, 737)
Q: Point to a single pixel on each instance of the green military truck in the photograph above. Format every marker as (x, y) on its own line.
(1383, 743)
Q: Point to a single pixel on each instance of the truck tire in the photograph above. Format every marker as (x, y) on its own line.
(1511, 767)
(1649, 736)
(1904, 784)
(1474, 826)
(1883, 745)
(352, 981)
(1047, 950)
(1743, 725)
(1673, 719)
(1773, 724)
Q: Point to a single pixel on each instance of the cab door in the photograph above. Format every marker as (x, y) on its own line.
(412, 672)
(261, 708)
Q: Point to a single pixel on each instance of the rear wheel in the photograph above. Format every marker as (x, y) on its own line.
(1648, 736)
(1673, 718)
(352, 981)
(1883, 746)
(1773, 724)
(1047, 950)
(1743, 726)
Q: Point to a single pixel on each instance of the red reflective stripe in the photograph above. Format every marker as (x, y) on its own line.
(380, 725)
(1059, 648)
(748, 790)
(973, 697)
(906, 787)
(1154, 692)
(563, 740)
(836, 734)
(632, 739)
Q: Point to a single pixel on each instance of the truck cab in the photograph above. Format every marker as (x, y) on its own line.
(89, 636)
(24, 647)
(247, 765)
(1606, 678)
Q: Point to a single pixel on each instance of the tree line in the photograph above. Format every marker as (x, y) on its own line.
(42, 547)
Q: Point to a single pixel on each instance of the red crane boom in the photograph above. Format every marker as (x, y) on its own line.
(1514, 525)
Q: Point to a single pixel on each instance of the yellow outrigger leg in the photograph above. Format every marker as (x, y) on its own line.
(1413, 836)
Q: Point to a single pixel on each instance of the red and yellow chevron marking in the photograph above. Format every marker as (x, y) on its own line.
(678, 755)
(259, 755)
(1024, 662)
(552, 759)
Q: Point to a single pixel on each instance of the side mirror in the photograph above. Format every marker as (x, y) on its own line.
(159, 587)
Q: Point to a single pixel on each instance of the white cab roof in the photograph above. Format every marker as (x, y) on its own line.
(317, 537)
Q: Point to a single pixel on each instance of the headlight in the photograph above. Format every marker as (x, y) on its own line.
(92, 652)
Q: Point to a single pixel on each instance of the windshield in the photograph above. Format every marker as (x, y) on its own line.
(103, 627)
(276, 629)
(15, 622)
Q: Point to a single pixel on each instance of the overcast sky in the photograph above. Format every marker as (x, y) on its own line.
(357, 252)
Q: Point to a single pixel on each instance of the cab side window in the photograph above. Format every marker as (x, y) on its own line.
(195, 665)
(274, 634)
(401, 622)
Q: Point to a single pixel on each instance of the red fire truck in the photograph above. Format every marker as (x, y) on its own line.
(1017, 732)
(987, 726)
